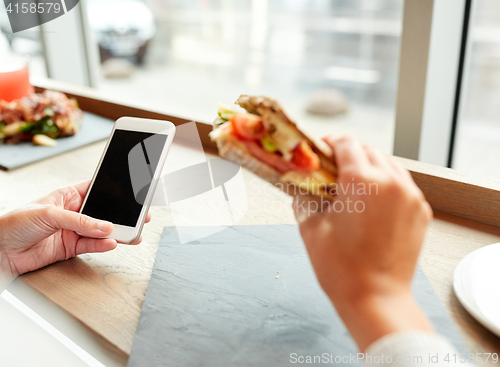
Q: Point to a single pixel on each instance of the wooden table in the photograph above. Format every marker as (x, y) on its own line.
(106, 291)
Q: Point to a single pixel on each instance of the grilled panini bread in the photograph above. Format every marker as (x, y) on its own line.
(265, 141)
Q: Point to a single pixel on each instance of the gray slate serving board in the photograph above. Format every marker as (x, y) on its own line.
(216, 302)
(93, 128)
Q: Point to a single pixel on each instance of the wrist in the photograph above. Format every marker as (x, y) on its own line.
(6, 269)
(372, 316)
(6, 273)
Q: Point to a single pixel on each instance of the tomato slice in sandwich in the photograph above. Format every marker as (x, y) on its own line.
(304, 157)
(249, 127)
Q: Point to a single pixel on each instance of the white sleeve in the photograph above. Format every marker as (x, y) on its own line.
(413, 348)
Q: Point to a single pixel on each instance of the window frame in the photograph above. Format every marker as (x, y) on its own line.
(70, 35)
(433, 53)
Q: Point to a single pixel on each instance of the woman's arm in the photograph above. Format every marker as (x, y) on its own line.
(364, 246)
(43, 232)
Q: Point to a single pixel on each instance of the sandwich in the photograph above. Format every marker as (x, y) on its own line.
(264, 140)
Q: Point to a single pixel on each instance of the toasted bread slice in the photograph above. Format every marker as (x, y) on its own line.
(271, 110)
(320, 182)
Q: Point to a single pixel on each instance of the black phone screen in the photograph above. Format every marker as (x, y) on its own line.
(113, 197)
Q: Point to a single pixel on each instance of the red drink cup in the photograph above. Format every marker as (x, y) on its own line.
(14, 78)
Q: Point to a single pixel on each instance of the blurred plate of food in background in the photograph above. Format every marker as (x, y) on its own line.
(43, 125)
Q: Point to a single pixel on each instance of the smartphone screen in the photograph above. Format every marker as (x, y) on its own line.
(112, 196)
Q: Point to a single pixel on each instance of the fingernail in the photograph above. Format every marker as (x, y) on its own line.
(104, 226)
(300, 216)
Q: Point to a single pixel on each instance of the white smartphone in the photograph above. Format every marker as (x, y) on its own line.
(127, 175)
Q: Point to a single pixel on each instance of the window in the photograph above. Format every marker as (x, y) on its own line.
(478, 135)
(203, 52)
(22, 43)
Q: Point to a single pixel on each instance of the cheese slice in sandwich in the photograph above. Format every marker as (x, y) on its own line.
(264, 140)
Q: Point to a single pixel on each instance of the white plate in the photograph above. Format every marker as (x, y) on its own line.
(476, 282)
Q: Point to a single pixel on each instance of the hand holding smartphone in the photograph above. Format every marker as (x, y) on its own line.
(127, 175)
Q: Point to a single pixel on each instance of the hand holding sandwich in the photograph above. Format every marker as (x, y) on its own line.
(365, 260)
(363, 244)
